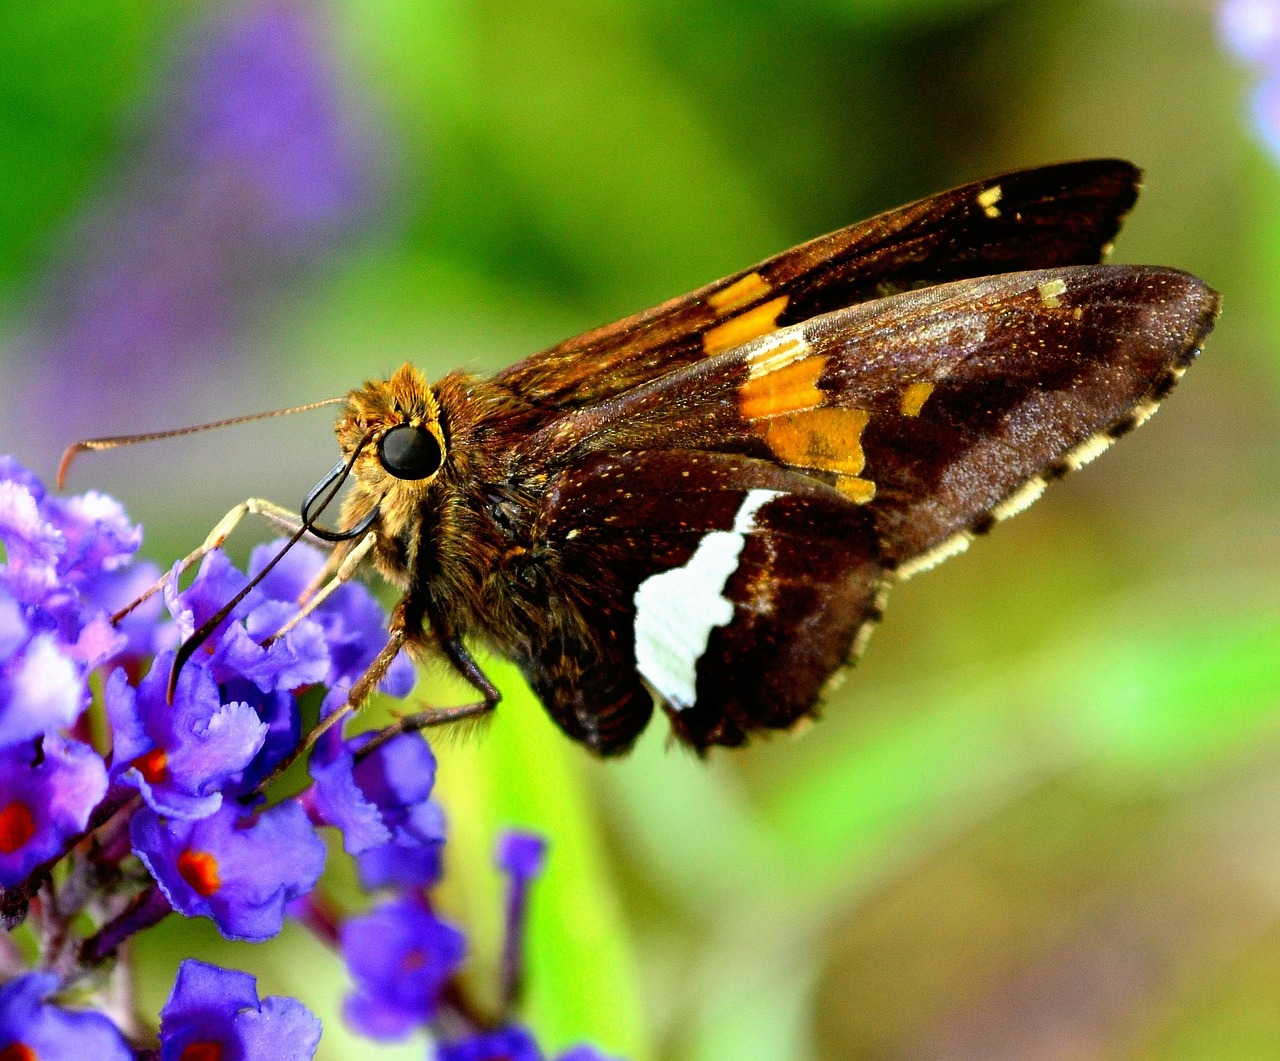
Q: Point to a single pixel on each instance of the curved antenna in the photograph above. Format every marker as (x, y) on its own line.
(116, 441)
(333, 483)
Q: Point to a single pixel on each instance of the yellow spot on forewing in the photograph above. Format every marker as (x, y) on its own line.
(988, 198)
(824, 440)
(791, 388)
(739, 293)
(914, 397)
(752, 324)
(1051, 292)
(857, 490)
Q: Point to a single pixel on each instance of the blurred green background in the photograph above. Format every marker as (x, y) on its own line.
(1042, 819)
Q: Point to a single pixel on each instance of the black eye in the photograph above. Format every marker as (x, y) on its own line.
(409, 452)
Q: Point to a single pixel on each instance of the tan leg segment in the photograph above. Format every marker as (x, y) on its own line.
(311, 599)
(281, 517)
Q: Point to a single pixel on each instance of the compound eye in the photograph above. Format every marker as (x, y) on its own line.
(410, 452)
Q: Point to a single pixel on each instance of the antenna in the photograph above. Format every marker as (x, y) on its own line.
(117, 441)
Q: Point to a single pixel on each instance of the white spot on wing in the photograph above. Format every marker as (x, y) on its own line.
(676, 610)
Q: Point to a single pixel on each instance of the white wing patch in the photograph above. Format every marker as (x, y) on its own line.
(676, 610)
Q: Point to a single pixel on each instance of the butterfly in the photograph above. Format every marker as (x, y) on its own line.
(701, 508)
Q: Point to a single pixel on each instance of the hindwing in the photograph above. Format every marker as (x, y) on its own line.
(726, 586)
(728, 529)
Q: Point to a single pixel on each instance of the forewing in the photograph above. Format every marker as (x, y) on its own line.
(940, 410)
(1064, 214)
(729, 587)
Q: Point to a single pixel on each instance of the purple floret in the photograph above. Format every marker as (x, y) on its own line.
(32, 1027)
(179, 755)
(46, 798)
(238, 870)
(354, 623)
(218, 1010)
(400, 956)
(383, 807)
(512, 1043)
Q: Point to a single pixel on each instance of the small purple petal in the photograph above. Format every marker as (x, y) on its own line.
(237, 870)
(512, 1043)
(44, 804)
(400, 956)
(220, 1008)
(522, 854)
(32, 1027)
(41, 690)
(179, 755)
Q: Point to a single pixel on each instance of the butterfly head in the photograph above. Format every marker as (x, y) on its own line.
(392, 429)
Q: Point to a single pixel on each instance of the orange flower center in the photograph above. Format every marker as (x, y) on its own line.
(18, 1052)
(199, 1052)
(16, 828)
(200, 870)
(154, 766)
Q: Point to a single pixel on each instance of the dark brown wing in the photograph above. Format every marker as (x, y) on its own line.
(725, 532)
(933, 406)
(728, 586)
(1051, 216)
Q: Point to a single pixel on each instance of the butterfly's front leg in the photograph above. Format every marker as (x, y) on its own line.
(457, 654)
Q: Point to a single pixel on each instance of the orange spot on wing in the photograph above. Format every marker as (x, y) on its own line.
(744, 327)
(791, 388)
(859, 491)
(914, 397)
(825, 440)
(739, 293)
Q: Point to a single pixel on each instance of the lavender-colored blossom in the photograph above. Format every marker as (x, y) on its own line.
(31, 1027)
(41, 688)
(46, 797)
(179, 755)
(237, 650)
(238, 870)
(510, 1043)
(215, 1013)
(60, 557)
(400, 955)
(383, 808)
(260, 107)
(522, 856)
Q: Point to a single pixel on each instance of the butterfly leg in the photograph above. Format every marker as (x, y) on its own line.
(360, 692)
(340, 568)
(455, 651)
(281, 517)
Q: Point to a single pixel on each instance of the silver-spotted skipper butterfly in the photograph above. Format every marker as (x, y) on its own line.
(704, 505)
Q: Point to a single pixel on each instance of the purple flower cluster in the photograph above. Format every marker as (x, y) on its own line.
(161, 814)
(1251, 29)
